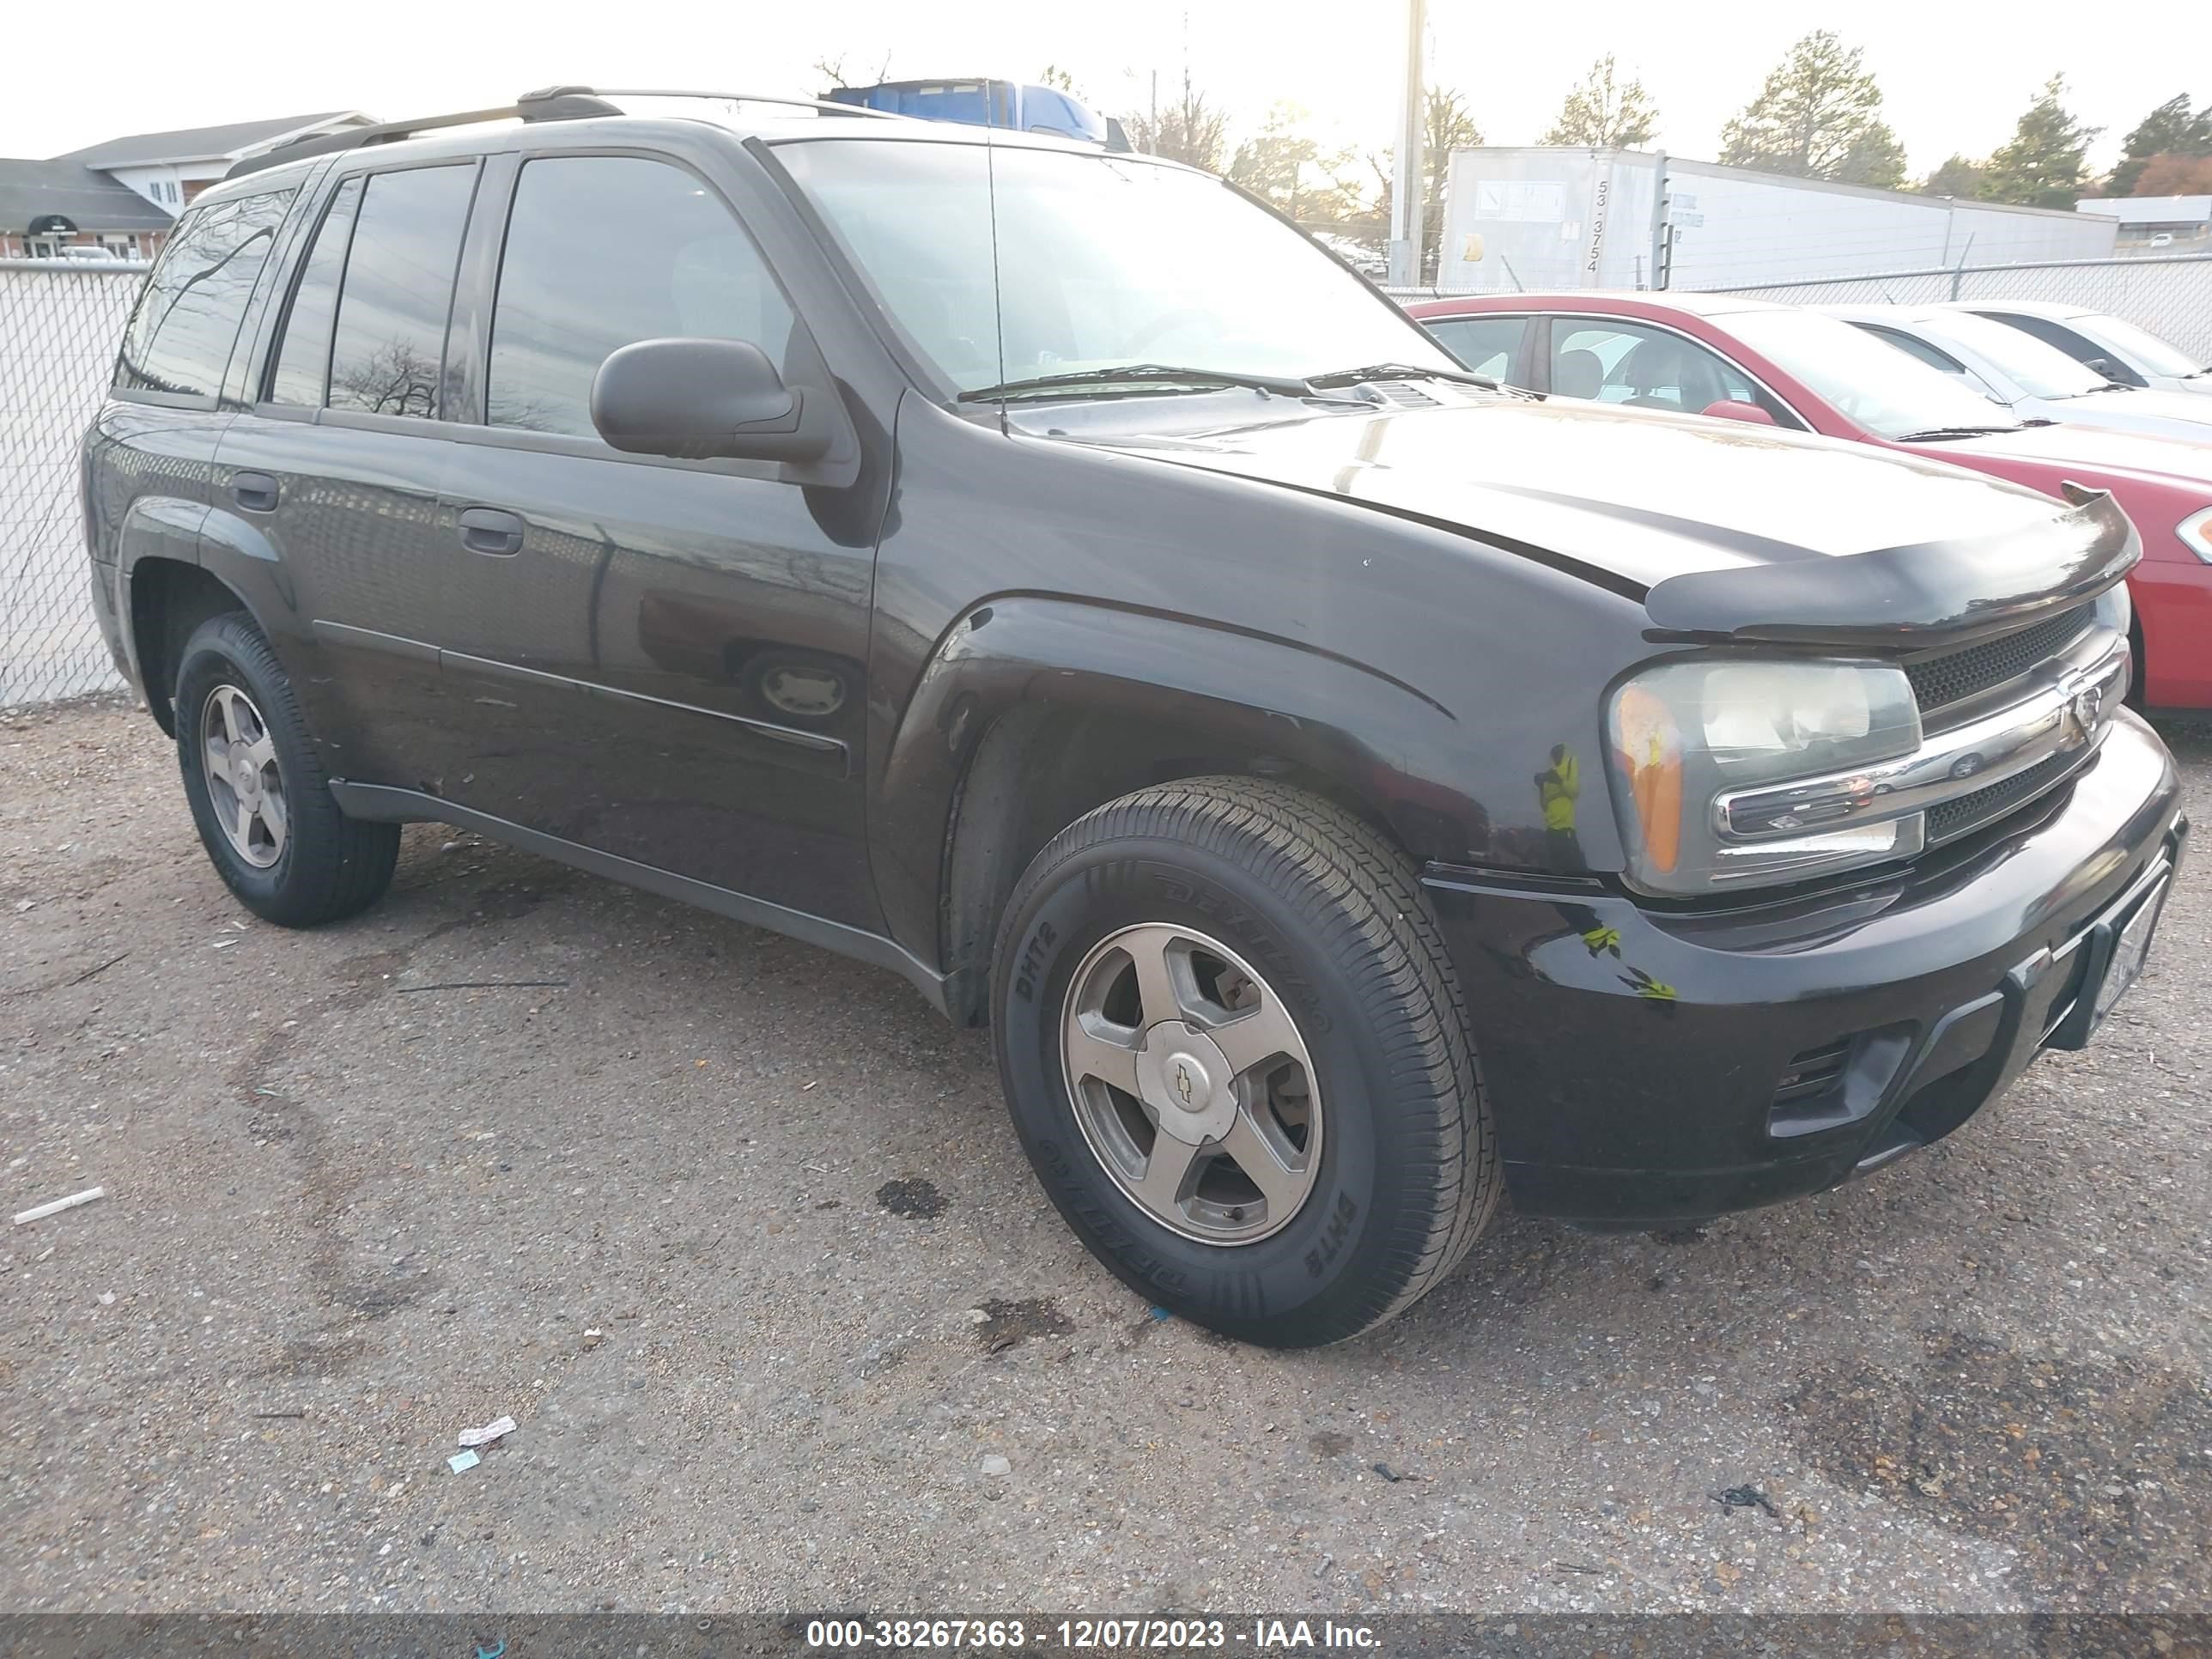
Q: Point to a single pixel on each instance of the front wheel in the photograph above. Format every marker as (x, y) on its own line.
(1235, 1051)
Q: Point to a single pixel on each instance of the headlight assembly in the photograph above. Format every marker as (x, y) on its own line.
(2196, 533)
(1702, 752)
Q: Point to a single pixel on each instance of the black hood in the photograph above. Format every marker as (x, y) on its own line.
(1719, 528)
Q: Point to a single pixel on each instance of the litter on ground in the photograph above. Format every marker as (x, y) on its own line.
(41, 1212)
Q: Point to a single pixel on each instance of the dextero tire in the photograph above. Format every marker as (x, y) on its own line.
(259, 795)
(1236, 1053)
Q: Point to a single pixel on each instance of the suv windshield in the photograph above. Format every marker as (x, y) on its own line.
(1103, 262)
(1888, 392)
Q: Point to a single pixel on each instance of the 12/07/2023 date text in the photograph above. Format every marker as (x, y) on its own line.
(1087, 1635)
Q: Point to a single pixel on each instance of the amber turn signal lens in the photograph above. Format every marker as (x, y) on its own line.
(1651, 755)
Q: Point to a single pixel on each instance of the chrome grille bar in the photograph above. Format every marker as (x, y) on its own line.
(2069, 717)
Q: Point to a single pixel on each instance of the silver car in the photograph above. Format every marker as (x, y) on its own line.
(2113, 347)
(2036, 382)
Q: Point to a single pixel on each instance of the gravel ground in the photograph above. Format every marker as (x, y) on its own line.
(738, 1233)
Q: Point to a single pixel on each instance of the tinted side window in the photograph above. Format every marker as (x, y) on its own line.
(181, 333)
(303, 361)
(390, 341)
(602, 251)
(1488, 345)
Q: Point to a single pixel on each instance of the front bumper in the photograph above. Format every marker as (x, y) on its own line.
(1646, 1067)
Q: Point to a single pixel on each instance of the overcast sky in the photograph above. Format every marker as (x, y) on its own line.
(1956, 75)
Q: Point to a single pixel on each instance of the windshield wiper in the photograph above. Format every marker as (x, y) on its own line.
(1401, 372)
(1929, 434)
(1141, 374)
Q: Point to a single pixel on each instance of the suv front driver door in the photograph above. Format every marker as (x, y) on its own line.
(657, 658)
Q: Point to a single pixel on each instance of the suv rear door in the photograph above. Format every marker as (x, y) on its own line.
(653, 657)
(333, 472)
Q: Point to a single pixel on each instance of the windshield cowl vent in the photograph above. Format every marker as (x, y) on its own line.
(1398, 394)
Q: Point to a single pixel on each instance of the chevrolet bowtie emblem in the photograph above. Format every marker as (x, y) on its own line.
(1183, 1082)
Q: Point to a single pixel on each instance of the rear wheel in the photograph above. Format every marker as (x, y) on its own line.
(1235, 1050)
(264, 807)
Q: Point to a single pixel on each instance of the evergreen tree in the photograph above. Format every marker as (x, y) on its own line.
(2043, 164)
(2169, 130)
(1956, 176)
(1818, 116)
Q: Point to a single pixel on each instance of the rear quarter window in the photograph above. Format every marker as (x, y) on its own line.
(303, 364)
(180, 335)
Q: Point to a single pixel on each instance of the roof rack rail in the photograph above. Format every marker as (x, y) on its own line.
(826, 106)
(554, 104)
(546, 104)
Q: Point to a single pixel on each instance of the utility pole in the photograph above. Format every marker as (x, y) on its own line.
(1406, 180)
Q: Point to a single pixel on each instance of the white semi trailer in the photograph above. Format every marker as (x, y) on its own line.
(1550, 217)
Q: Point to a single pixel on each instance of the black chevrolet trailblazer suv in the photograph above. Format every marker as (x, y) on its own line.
(1351, 791)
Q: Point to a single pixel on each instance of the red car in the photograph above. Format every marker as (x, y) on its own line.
(1773, 365)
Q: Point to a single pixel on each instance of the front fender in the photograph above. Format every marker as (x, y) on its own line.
(1252, 694)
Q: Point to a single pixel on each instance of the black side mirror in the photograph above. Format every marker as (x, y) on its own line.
(701, 399)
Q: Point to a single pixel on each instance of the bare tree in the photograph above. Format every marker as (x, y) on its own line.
(1447, 124)
(833, 70)
(2168, 173)
(1286, 168)
(1190, 130)
(393, 380)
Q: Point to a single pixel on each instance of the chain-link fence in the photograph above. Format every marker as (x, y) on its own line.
(2171, 297)
(60, 321)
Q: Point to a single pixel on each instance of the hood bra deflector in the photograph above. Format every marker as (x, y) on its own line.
(1908, 597)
